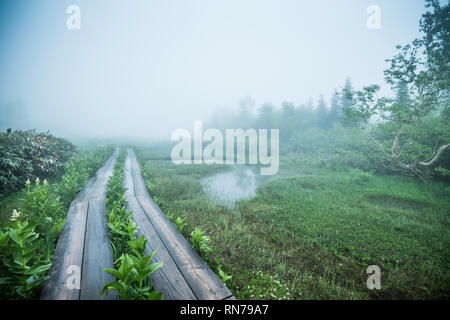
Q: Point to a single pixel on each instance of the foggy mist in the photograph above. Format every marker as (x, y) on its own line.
(224, 150)
(144, 68)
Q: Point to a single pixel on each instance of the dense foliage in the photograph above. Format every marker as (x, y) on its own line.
(19, 251)
(28, 155)
(414, 137)
(28, 238)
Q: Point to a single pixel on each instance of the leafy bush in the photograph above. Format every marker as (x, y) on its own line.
(43, 209)
(360, 177)
(28, 154)
(27, 242)
(20, 255)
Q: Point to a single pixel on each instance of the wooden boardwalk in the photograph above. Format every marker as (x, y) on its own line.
(184, 274)
(83, 249)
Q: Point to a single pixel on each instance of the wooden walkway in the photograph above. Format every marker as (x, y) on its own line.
(184, 274)
(83, 249)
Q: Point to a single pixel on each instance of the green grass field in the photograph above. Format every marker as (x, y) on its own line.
(311, 232)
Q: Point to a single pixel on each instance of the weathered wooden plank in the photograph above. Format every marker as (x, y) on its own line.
(97, 254)
(179, 247)
(70, 249)
(202, 280)
(205, 283)
(101, 179)
(167, 279)
(68, 254)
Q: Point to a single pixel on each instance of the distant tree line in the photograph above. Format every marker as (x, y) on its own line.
(288, 117)
(408, 134)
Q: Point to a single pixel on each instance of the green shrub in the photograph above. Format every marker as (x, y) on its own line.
(40, 204)
(20, 255)
(27, 155)
(360, 177)
(27, 242)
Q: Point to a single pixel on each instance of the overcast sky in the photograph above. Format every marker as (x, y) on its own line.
(144, 67)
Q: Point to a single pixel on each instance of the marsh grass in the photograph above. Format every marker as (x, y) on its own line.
(312, 232)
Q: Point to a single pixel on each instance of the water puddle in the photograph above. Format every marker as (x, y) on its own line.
(226, 188)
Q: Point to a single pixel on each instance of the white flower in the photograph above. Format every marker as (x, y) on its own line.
(15, 215)
(37, 181)
(28, 182)
(45, 182)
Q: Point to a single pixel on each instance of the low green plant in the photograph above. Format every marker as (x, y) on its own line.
(222, 274)
(171, 216)
(146, 174)
(19, 252)
(157, 201)
(133, 278)
(121, 228)
(179, 224)
(42, 206)
(200, 241)
(138, 246)
(359, 176)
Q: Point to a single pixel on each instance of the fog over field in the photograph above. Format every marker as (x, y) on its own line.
(144, 68)
(224, 149)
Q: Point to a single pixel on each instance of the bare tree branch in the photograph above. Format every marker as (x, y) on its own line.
(400, 153)
(397, 139)
(380, 145)
(436, 157)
